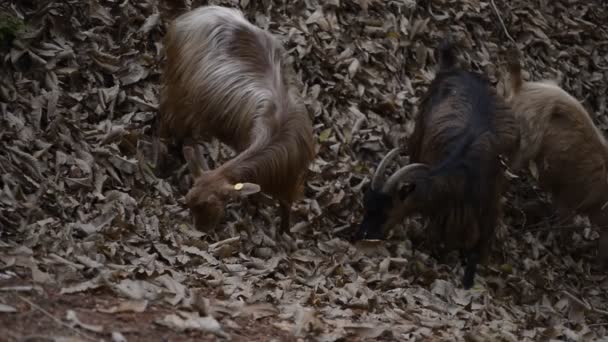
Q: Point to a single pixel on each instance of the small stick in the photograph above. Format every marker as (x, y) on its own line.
(576, 300)
(224, 242)
(504, 27)
(582, 303)
(573, 227)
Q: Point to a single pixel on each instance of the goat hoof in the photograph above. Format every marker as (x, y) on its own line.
(368, 235)
(467, 283)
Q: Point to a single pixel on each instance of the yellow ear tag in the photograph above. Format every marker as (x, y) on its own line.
(238, 186)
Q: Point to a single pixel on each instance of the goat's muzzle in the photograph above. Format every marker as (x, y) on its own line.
(377, 208)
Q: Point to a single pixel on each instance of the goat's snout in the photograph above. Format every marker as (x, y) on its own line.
(377, 212)
(207, 212)
(370, 228)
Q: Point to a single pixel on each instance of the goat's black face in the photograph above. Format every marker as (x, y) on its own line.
(377, 209)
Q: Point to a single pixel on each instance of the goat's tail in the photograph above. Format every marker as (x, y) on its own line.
(514, 67)
(447, 58)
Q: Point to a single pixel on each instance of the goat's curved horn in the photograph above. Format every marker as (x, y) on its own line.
(405, 174)
(382, 167)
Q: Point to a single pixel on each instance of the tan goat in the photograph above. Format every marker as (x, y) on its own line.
(570, 152)
(225, 78)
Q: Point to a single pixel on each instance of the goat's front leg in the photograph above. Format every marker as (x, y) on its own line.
(470, 270)
(463, 257)
(285, 214)
(200, 152)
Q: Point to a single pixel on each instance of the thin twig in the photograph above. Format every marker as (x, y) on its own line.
(57, 320)
(584, 304)
(597, 324)
(565, 227)
(504, 27)
(558, 225)
(599, 311)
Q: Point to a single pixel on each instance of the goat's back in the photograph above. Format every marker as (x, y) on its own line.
(462, 120)
(221, 71)
(570, 152)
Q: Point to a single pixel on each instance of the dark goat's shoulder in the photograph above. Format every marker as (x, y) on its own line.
(470, 87)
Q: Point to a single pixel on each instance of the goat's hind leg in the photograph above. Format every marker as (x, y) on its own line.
(200, 150)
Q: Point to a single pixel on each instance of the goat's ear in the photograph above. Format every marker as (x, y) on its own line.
(193, 161)
(406, 189)
(245, 189)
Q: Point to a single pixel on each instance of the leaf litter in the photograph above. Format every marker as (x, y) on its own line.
(83, 213)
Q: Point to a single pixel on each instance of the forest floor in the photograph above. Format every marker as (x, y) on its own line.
(95, 246)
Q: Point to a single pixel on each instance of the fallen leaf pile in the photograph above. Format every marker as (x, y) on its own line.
(83, 210)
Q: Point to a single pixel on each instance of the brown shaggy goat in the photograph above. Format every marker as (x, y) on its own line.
(225, 78)
(569, 151)
(456, 178)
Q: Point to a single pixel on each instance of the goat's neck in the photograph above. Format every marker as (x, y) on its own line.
(242, 167)
(274, 155)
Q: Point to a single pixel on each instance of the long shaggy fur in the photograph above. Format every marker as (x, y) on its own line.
(461, 131)
(570, 152)
(463, 128)
(225, 78)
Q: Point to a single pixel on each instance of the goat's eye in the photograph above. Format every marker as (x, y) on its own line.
(406, 190)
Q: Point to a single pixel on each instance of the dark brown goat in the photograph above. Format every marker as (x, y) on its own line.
(456, 178)
(225, 79)
(570, 152)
